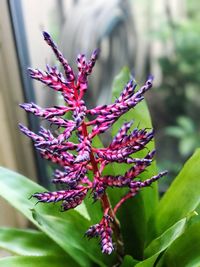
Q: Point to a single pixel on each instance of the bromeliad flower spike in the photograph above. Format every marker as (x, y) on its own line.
(78, 159)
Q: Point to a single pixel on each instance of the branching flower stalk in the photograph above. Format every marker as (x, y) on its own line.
(78, 159)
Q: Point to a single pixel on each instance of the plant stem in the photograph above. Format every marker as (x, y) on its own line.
(106, 205)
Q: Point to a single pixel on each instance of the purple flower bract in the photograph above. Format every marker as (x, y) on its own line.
(77, 159)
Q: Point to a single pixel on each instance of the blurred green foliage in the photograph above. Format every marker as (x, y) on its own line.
(187, 134)
(180, 87)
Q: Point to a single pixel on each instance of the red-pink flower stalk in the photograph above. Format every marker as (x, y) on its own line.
(85, 157)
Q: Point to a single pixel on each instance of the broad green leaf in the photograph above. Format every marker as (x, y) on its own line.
(94, 209)
(157, 247)
(195, 219)
(182, 197)
(17, 189)
(134, 214)
(41, 261)
(119, 82)
(132, 218)
(128, 261)
(185, 251)
(74, 226)
(12, 180)
(82, 209)
(148, 262)
(28, 243)
(162, 242)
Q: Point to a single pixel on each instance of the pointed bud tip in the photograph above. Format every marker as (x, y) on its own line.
(152, 153)
(150, 77)
(46, 35)
(96, 52)
(22, 127)
(107, 250)
(31, 71)
(163, 173)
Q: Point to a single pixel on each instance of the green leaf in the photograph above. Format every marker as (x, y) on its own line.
(148, 262)
(156, 248)
(187, 145)
(17, 189)
(70, 235)
(182, 197)
(128, 261)
(195, 219)
(94, 209)
(41, 261)
(135, 213)
(28, 242)
(82, 209)
(162, 242)
(120, 81)
(22, 189)
(186, 123)
(184, 251)
(175, 131)
(132, 219)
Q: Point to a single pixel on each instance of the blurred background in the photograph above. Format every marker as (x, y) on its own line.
(159, 37)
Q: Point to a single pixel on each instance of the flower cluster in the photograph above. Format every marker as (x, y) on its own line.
(77, 159)
(104, 231)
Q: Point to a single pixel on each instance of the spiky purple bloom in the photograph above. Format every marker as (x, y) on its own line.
(104, 231)
(76, 159)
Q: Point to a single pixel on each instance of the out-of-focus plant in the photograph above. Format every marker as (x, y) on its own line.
(187, 134)
(181, 71)
(178, 93)
(155, 233)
